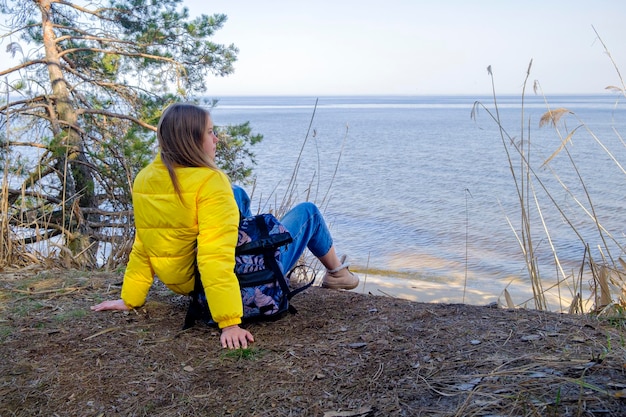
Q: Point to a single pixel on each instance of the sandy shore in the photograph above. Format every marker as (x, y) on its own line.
(455, 292)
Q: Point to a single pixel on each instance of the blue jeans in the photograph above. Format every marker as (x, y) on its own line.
(306, 225)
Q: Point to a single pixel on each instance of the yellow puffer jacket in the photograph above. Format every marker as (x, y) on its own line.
(172, 234)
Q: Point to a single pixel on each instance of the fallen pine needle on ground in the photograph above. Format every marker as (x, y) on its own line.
(342, 354)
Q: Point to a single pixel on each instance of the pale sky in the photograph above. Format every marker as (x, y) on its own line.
(415, 47)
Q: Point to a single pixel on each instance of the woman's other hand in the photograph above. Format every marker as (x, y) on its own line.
(234, 337)
(110, 305)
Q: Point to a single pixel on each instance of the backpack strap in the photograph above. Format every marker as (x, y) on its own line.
(270, 261)
(195, 310)
(298, 290)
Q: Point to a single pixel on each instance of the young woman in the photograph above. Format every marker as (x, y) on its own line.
(186, 220)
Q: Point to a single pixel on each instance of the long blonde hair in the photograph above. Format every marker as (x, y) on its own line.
(180, 132)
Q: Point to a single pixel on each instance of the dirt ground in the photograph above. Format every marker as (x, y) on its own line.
(342, 354)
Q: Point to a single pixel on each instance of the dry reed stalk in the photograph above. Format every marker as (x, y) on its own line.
(622, 282)
(575, 306)
(5, 237)
(522, 179)
(523, 187)
(603, 281)
(5, 232)
(289, 198)
(591, 212)
(509, 300)
(621, 89)
(287, 201)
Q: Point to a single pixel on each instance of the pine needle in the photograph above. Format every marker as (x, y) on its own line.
(110, 329)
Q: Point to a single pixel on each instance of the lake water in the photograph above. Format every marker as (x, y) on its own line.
(423, 190)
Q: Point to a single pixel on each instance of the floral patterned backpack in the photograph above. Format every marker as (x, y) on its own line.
(265, 290)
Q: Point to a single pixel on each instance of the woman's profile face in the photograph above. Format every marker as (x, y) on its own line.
(209, 139)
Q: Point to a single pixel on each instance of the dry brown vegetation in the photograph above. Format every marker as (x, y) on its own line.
(343, 354)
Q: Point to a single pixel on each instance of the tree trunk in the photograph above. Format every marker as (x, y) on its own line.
(78, 182)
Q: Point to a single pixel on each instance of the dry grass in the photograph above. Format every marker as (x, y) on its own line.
(608, 274)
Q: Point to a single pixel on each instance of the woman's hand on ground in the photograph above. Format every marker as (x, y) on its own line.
(110, 305)
(234, 337)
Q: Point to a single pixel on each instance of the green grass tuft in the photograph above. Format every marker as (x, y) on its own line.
(242, 353)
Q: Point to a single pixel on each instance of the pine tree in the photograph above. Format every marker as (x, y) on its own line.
(81, 109)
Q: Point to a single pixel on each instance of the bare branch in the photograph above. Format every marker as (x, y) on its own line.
(23, 65)
(119, 52)
(118, 116)
(39, 196)
(98, 39)
(13, 143)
